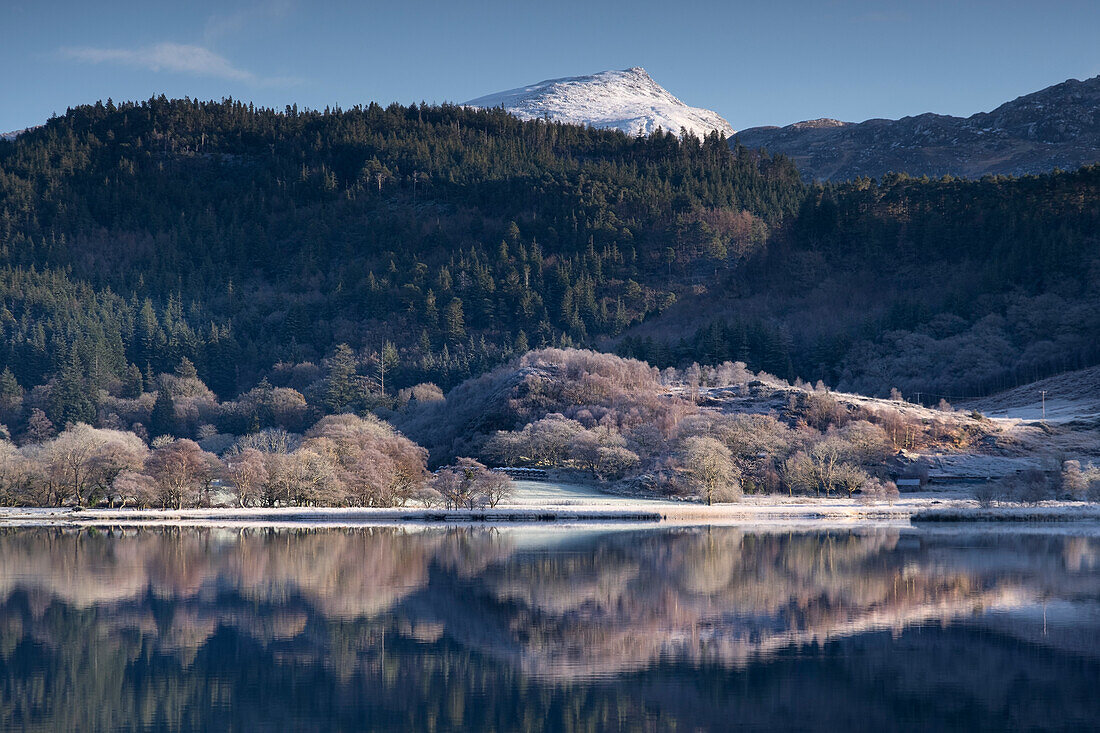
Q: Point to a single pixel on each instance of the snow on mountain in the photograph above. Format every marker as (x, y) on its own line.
(627, 100)
(16, 133)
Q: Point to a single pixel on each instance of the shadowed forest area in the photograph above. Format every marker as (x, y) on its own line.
(951, 288)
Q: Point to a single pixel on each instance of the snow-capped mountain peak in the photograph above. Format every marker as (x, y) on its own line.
(628, 100)
(9, 136)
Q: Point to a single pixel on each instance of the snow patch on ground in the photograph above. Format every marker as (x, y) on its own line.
(9, 136)
(1069, 397)
(1067, 424)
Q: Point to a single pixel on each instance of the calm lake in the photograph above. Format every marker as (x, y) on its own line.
(535, 628)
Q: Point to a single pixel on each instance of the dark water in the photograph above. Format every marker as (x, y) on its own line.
(532, 629)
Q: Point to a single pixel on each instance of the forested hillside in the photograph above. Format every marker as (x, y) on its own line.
(240, 238)
(947, 288)
(435, 242)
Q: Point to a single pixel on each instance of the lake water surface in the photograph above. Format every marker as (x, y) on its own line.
(537, 628)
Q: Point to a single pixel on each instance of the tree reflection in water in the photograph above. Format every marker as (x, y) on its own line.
(521, 628)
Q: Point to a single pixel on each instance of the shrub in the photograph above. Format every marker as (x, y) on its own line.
(986, 493)
(468, 484)
(1032, 486)
(875, 490)
(1075, 482)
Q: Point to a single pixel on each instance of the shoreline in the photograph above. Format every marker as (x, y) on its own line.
(752, 510)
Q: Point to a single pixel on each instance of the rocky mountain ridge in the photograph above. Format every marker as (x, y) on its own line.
(1057, 127)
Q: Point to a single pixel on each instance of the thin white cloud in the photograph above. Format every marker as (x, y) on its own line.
(223, 25)
(178, 58)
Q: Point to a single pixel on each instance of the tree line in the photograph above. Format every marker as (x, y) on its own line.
(343, 460)
(584, 414)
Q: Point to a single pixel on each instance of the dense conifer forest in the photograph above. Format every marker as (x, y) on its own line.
(347, 255)
(948, 288)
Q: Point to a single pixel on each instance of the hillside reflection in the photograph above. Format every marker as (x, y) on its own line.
(494, 627)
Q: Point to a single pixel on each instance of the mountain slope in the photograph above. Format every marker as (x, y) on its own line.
(628, 100)
(1057, 127)
(9, 136)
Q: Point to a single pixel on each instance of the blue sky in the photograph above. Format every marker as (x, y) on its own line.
(771, 62)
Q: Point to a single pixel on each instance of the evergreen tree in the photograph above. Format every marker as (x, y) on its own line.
(133, 385)
(521, 346)
(11, 396)
(387, 363)
(69, 402)
(455, 320)
(186, 370)
(149, 335)
(431, 311)
(162, 421)
(341, 389)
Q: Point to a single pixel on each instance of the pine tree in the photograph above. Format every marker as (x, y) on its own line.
(133, 384)
(162, 421)
(148, 332)
(455, 320)
(69, 402)
(431, 311)
(388, 361)
(11, 395)
(341, 392)
(186, 370)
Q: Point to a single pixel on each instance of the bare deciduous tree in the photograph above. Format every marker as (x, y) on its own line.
(248, 473)
(80, 464)
(304, 477)
(468, 484)
(131, 488)
(376, 465)
(15, 475)
(495, 486)
(824, 468)
(711, 471)
(181, 470)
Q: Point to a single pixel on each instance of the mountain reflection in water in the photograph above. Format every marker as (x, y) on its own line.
(511, 629)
